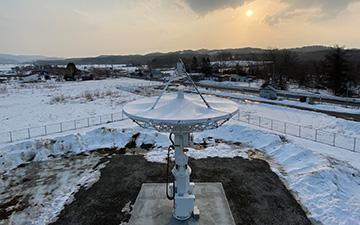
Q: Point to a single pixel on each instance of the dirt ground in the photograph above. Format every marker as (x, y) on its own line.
(255, 194)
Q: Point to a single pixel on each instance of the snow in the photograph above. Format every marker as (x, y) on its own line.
(322, 92)
(327, 187)
(11, 156)
(43, 189)
(324, 179)
(254, 86)
(32, 105)
(307, 119)
(5, 68)
(177, 107)
(319, 106)
(219, 150)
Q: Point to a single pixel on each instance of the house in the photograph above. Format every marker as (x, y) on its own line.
(267, 91)
(156, 74)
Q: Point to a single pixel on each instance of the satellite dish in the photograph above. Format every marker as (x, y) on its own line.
(181, 115)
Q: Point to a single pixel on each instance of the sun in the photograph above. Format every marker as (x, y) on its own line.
(249, 13)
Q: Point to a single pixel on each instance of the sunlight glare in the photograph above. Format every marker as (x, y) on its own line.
(249, 13)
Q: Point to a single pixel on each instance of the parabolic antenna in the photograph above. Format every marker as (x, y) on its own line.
(181, 115)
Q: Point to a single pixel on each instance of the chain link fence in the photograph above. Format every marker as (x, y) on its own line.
(33, 132)
(304, 132)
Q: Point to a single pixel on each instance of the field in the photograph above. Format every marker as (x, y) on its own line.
(52, 175)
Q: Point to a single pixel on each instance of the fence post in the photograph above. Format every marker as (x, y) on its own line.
(248, 118)
(259, 121)
(122, 115)
(45, 130)
(354, 144)
(284, 127)
(88, 122)
(271, 126)
(75, 124)
(316, 134)
(11, 136)
(100, 120)
(238, 115)
(299, 131)
(29, 136)
(334, 139)
(112, 117)
(61, 127)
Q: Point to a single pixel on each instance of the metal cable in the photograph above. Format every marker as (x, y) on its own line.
(171, 147)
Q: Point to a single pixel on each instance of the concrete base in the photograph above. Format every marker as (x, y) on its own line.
(153, 208)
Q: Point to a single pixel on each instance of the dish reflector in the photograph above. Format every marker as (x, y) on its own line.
(176, 112)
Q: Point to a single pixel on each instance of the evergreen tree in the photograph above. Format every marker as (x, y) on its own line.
(337, 70)
(206, 66)
(194, 64)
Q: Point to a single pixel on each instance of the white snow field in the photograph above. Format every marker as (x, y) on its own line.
(31, 105)
(308, 119)
(324, 179)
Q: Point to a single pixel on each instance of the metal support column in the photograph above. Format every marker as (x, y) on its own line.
(184, 198)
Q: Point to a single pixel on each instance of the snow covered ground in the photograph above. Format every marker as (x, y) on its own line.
(292, 90)
(326, 184)
(36, 193)
(324, 179)
(328, 188)
(308, 119)
(320, 106)
(31, 105)
(5, 68)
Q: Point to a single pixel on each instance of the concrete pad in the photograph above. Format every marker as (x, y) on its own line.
(153, 208)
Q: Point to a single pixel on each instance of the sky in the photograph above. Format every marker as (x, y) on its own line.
(75, 28)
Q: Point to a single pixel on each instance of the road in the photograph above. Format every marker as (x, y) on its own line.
(288, 95)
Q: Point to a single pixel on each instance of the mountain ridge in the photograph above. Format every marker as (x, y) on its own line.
(311, 52)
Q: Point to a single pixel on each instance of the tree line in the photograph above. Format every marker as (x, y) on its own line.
(336, 69)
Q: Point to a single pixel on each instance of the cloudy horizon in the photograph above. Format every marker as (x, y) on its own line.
(64, 28)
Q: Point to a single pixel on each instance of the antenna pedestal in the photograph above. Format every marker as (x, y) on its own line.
(181, 115)
(184, 198)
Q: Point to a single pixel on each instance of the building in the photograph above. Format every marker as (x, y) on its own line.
(269, 92)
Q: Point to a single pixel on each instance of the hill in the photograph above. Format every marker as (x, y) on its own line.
(307, 53)
(19, 59)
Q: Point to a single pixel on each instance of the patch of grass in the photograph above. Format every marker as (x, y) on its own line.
(88, 96)
(3, 89)
(57, 99)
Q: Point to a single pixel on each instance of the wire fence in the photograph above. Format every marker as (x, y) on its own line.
(304, 132)
(48, 129)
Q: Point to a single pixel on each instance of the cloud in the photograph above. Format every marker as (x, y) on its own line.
(205, 6)
(315, 9)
